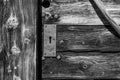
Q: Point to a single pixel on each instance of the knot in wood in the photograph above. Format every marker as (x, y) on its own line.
(16, 77)
(9, 69)
(84, 65)
(12, 22)
(26, 40)
(15, 50)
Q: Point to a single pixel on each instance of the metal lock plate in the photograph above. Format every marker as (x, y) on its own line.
(49, 40)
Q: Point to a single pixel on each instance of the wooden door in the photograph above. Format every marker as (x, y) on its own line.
(85, 47)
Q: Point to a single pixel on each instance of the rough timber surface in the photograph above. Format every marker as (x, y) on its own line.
(19, 41)
(80, 12)
(87, 48)
(86, 38)
(92, 47)
(82, 67)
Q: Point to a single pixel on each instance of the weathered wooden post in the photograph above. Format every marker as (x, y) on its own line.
(19, 39)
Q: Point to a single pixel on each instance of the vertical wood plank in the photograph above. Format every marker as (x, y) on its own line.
(20, 39)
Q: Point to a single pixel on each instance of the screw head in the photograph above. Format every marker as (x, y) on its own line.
(43, 58)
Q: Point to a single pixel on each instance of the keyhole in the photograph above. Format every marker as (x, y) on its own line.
(50, 39)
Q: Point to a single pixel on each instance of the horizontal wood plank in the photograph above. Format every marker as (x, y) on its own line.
(82, 66)
(87, 48)
(84, 37)
(79, 12)
(73, 41)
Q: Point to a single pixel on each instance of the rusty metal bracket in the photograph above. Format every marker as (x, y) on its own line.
(49, 40)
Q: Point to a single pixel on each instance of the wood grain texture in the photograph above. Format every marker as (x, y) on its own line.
(85, 38)
(87, 48)
(19, 38)
(78, 12)
(82, 67)
(104, 16)
(86, 52)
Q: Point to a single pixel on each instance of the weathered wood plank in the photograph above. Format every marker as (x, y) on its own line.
(82, 67)
(87, 38)
(78, 12)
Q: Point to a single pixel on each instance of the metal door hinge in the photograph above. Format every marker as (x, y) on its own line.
(49, 40)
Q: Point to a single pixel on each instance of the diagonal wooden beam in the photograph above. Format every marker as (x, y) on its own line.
(104, 16)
